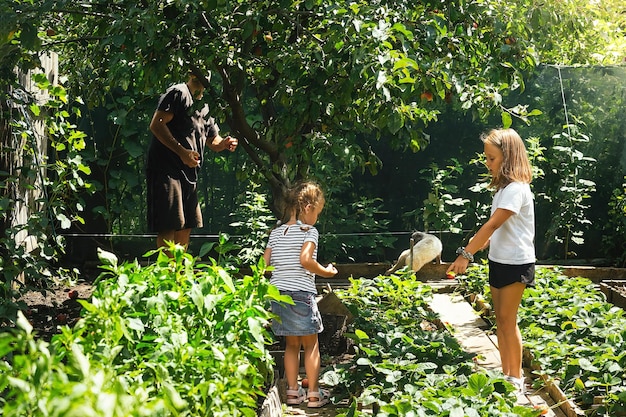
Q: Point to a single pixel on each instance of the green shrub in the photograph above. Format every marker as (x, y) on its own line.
(175, 338)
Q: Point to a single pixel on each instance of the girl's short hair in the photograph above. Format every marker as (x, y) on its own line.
(515, 164)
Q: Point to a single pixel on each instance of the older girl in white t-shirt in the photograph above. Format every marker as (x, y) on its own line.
(509, 233)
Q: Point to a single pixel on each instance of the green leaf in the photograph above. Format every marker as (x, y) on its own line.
(173, 397)
(256, 330)
(35, 109)
(107, 258)
(226, 278)
(507, 120)
(206, 248)
(395, 122)
(361, 334)
(23, 323)
(586, 365)
(134, 149)
(579, 384)
(364, 362)
(457, 412)
(28, 35)
(477, 382)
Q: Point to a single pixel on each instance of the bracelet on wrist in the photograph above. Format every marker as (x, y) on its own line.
(462, 252)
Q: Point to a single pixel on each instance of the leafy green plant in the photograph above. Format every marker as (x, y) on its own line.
(36, 382)
(614, 238)
(178, 337)
(572, 196)
(441, 211)
(55, 183)
(473, 281)
(255, 222)
(406, 364)
(224, 248)
(579, 339)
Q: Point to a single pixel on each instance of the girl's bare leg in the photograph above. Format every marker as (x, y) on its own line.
(312, 360)
(292, 360)
(506, 301)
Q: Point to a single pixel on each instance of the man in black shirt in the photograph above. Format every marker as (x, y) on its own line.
(174, 158)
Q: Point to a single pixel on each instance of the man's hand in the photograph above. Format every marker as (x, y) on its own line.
(231, 143)
(191, 158)
(219, 144)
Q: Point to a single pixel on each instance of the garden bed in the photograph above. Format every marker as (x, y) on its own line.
(568, 337)
(52, 307)
(567, 407)
(59, 305)
(615, 291)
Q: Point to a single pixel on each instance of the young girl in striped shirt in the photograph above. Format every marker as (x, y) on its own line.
(292, 251)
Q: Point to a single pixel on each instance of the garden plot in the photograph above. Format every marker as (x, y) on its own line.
(392, 352)
(406, 359)
(573, 337)
(469, 328)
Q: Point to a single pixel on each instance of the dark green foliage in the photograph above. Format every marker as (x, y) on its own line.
(175, 338)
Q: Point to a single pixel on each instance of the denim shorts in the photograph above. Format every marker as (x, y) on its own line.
(300, 319)
(501, 275)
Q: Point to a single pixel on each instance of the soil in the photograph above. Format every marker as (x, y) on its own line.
(57, 305)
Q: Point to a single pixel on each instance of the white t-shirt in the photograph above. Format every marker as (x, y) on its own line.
(286, 244)
(513, 242)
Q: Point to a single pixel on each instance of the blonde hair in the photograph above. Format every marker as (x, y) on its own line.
(306, 193)
(515, 165)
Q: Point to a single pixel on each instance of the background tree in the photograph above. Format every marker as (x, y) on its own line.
(293, 78)
(304, 84)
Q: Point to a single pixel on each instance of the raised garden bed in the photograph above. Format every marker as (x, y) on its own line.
(615, 291)
(573, 332)
(435, 273)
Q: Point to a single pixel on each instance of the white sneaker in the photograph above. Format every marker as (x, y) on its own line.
(518, 383)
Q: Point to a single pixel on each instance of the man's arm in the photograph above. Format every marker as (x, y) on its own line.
(219, 144)
(158, 126)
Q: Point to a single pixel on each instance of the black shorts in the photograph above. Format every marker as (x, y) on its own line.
(501, 275)
(172, 203)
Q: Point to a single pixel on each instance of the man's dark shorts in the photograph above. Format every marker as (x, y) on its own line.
(172, 203)
(501, 275)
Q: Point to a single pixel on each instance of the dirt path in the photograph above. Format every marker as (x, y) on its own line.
(329, 410)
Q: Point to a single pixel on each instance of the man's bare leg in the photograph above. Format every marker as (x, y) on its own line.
(180, 237)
